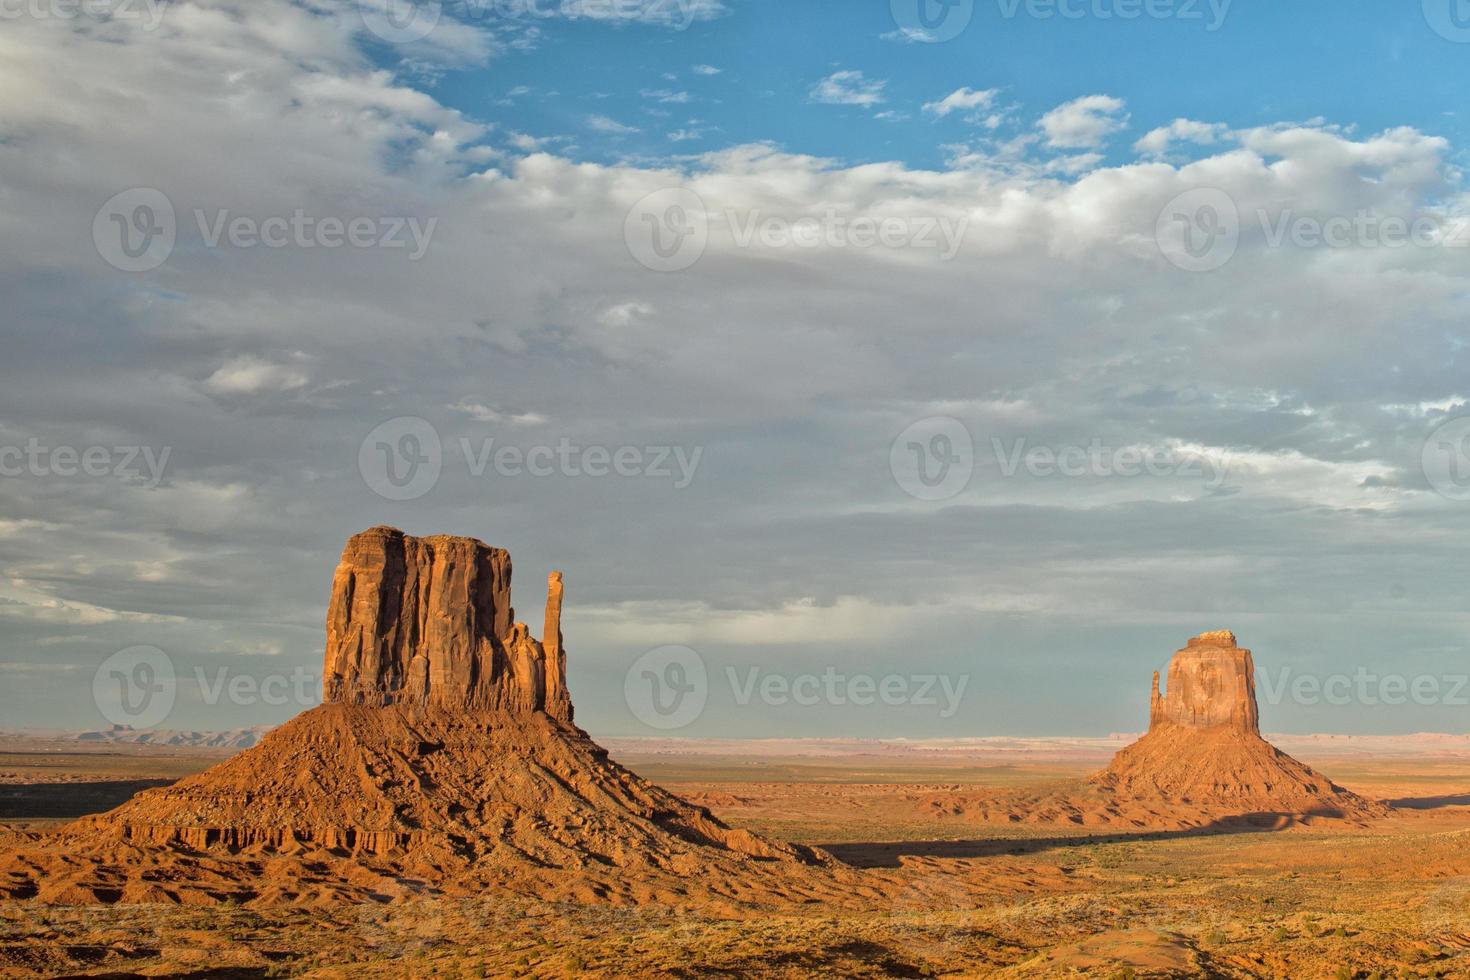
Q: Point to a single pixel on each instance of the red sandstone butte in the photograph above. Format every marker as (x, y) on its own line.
(1204, 752)
(444, 754)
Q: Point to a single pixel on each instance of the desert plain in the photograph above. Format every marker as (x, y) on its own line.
(943, 895)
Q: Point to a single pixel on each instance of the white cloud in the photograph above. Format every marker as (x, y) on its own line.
(665, 96)
(484, 413)
(1158, 141)
(1083, 123)
(252, 376)
(624, 314)
(848, 88)
(706, 70)
(677, 16)
(962, 99)
(605, 124)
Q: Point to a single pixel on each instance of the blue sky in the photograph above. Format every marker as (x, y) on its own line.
(1357, 63)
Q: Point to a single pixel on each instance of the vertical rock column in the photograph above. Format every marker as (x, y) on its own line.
(558, 700)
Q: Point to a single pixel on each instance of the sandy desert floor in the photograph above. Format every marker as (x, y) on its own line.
(948, 896)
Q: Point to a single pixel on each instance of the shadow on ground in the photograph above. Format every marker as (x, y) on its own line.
(69, 801)
(1430, 802)
(887, 854)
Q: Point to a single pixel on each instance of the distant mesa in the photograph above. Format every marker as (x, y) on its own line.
(234, 738)
(1202, 764)
(444, 755)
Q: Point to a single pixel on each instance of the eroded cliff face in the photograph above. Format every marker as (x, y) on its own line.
(429, 621)
(1212, 684)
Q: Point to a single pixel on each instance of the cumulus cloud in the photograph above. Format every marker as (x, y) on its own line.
(1158, 141)
(962, 99)
(610, 126)
(1083, 123)
(848, 88)
(252, 376)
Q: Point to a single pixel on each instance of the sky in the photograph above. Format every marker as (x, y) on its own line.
(867, 369)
